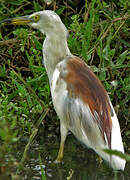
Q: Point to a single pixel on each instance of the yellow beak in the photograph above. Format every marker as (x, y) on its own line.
(17, 21)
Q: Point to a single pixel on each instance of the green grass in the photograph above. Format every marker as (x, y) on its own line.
(98, 33)
(42, 170)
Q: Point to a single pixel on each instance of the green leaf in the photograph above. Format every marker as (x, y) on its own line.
(117, 153)
(10, 52)
(15, 2)
(37, 43)
(22, 48)
(0, 35)
(122, 58)
(60, 10)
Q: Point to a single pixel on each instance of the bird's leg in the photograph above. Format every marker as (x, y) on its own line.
(63, 131)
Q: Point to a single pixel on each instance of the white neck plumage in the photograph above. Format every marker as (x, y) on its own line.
(55, 49)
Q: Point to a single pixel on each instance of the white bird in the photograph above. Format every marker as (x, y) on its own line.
(79, 98)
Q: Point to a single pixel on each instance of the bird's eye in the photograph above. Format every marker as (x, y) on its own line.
(36, 18)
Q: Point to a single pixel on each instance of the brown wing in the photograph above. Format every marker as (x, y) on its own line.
(82, 82)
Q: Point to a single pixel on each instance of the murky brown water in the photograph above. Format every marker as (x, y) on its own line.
(79, 161)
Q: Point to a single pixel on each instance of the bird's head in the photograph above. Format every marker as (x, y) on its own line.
(48, 22)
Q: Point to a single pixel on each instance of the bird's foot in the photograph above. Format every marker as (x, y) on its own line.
(99, 159)
(58, 160)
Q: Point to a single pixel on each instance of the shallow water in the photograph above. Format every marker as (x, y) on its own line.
(79, 163)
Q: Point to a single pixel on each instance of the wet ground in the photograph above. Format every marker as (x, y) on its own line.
(79, 163)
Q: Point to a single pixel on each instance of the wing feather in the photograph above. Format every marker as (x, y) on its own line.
(85, 85)
(82, 124)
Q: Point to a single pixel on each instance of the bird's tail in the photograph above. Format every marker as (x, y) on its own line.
(115, 162)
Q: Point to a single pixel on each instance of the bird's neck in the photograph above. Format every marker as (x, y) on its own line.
(54, 51)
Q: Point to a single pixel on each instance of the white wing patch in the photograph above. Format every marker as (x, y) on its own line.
(54, 80)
